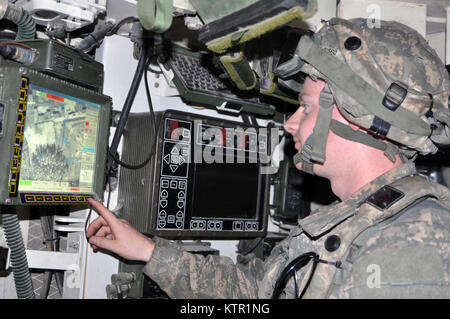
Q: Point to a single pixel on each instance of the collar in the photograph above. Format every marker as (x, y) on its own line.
(325, 218)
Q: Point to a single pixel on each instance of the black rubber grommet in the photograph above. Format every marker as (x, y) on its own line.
(352, 43)
(332, 243)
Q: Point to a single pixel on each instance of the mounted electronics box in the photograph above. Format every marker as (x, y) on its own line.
(207, 179)
(54, 127)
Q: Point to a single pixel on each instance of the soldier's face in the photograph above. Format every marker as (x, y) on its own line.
(302, 122)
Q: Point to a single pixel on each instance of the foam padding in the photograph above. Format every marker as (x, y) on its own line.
(222, 44)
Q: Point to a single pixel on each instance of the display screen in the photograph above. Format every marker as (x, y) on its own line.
(226, 191)
(60, 139)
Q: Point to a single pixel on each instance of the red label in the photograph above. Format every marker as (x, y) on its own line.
(54, 97)
(173, 127)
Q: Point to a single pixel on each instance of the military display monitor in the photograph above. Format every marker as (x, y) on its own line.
(53, 137)
(207, 178)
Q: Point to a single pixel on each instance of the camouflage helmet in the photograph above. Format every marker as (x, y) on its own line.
(384, 78)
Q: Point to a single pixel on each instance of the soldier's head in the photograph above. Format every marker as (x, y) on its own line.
(383, 87)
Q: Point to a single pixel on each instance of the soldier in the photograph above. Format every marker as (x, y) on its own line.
(374, 98)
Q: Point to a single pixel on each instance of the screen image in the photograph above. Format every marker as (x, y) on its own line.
(235, 196)
(59, 147)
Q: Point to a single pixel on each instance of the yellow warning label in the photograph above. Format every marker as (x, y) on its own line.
(54, 199)
(18, 138)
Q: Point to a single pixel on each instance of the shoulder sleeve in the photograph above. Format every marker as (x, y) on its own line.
(184, 275)
(407, 257)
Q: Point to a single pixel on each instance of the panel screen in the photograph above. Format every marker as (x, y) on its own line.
(225, 190)
(59, 146)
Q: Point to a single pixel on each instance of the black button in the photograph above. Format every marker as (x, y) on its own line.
(352, 43)
(332, 243)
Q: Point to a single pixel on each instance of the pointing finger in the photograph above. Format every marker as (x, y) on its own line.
(109, 217)
(95, 225)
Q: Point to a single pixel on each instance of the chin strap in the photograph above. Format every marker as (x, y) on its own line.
(344, 131)
(313, 150)
(304, 156)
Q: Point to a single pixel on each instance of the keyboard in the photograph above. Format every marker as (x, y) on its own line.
(199, 81)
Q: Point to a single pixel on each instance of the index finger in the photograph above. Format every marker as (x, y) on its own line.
(95, 225)
(109, 217)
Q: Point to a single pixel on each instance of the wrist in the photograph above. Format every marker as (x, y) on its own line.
(147, 251)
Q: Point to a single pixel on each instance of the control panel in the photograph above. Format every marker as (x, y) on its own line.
(174, 174)
(209, 181)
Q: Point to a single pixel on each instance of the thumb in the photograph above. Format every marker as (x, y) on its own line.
(102, 242)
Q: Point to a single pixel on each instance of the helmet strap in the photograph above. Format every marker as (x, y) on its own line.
(315, 145)
(304, 156)
(346, 132)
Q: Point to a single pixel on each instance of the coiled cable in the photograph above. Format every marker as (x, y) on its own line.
(19, 262)
(26, 27)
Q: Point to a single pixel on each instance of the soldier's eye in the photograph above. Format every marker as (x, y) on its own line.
(305, 106)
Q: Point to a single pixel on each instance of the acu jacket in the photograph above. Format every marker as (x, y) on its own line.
(390, 239)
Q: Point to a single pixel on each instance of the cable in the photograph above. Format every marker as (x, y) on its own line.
(88, 217)
(17, 52)
(252, 246)
(151, 69)
(14, 240)
(23, 19)
(5, 35)
(127, 106)
(47, 215)
(109, 192)
(254, 121)
(154, 71)
(281, 225)
(152, 114)
(291, 268)
(118, 25)
(245, 118)
(95, 38)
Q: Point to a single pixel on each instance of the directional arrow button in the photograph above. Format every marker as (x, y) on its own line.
(167, 158)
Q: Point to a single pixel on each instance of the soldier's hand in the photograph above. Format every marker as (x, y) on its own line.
(116, 235)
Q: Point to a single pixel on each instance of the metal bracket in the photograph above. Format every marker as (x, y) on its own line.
(168, 74)
(224, 107)
(72, 260)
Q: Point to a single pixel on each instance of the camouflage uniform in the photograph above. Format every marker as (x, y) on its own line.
(390, 82)
(399, 252)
